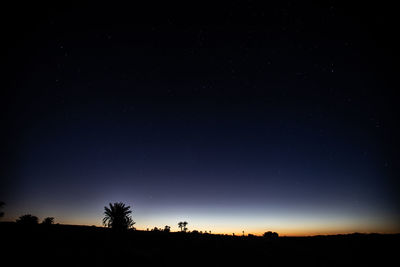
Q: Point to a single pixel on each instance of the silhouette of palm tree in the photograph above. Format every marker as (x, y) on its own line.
(117, 216)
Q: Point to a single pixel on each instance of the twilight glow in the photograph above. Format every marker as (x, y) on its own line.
(265, 126)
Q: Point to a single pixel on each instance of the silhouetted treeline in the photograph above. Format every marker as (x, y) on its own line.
(98, 246)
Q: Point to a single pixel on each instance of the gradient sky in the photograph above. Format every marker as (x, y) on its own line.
(247, 118)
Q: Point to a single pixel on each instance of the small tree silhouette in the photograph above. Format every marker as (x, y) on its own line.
(180, 225)
(270, 235)
(48, 221)
(117, 216)
(28, 219)
(167, 229)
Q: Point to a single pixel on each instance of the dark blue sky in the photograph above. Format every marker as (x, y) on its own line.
(264, 118)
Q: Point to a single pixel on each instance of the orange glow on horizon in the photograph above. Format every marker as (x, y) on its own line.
(281, 232)
(296, 225)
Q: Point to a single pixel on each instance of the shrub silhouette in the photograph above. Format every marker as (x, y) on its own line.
(167, 229)
(28, 219)
(270, 235)
(117, 216)
(48, 220)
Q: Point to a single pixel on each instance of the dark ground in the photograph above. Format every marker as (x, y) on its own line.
(64, 245)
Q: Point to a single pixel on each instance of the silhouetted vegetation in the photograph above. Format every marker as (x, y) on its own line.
(48, 221)
(118, 216)
(28, 219)
(68, 245)
(183, 227)
(271, 235)
(158, 247)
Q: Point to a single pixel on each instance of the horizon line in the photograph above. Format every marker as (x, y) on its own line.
(240, 234)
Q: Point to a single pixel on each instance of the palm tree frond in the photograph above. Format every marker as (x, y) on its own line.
(117, 216)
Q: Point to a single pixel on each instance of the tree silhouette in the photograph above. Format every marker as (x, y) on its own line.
(28, 219)
(48, 220)
(117, 216)
(167, 229)
(180, 225)
(1, 206)
(271, 235)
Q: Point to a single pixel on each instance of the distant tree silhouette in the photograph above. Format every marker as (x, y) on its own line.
(271, 235)
(117, 216)
(48, 220)
(167, 229)
(28, 219)
(182, 225)
(1, 206)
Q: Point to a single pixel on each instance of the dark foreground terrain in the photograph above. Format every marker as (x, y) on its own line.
(63, 245)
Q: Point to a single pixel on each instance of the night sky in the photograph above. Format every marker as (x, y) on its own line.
(241, 118)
